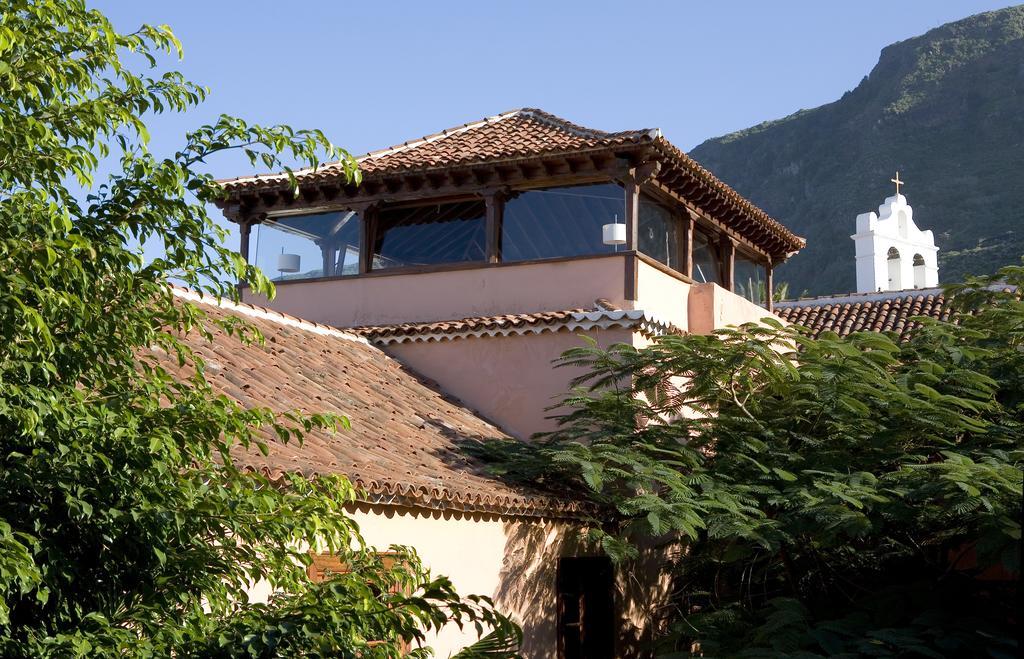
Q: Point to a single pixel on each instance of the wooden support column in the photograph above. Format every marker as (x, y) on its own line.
(728, 262)
(632, 214)
(632, 273)
(329, 251)
(244, 230)
(769, 287)
(495, 202)
(245, 225)
(685, 238)
(368, 238)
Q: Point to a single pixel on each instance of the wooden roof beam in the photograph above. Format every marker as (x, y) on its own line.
(436, 180)
(672, 177)
(414, 183)
(555, 167)
(716, 206)
(580, 165)
(528, 170)
(459, 178)
(690, 188)
(269, 197)
(330, 191)
(483, 175)
(600, 161)
(309, 194)
(505, 173)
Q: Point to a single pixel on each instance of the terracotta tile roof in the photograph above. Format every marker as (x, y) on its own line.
(522, 133)
(404, 446)
(515, 135)
(869, 312)
(601, 317)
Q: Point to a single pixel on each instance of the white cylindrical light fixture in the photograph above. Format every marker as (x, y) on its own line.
(614, 234)
(288, 262)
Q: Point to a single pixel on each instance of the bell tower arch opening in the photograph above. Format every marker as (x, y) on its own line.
(895, 264)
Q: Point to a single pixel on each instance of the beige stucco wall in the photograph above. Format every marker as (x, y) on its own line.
(468, 549)
(511, 379)
(508, 379)
(712, 307)
(430, 296)
(662, 295)
(515, 562)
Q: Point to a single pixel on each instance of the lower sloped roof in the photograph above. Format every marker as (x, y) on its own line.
(603, 315)
(866, 312)
(408, 442)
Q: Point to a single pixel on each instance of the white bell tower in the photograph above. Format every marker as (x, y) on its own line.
(892, 253)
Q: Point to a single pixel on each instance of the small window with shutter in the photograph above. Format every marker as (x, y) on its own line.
(586, 608)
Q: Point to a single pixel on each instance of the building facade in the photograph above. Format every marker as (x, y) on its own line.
(452, 274)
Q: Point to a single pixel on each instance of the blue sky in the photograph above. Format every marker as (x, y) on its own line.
(378, 73)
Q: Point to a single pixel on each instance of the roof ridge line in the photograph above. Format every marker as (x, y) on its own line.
(854, 298)
(534, 113)
(582, 131)
(387, 151)
(447, 132)
(264, 313)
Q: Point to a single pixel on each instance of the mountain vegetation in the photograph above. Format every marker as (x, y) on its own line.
(946, 109)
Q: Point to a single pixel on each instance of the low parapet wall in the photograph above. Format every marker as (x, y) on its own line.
(482, 290)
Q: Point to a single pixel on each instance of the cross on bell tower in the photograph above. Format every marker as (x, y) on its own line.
(897, 181)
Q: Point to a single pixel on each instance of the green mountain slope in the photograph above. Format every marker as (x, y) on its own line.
(946, 109)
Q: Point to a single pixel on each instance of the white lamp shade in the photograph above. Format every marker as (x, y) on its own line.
(288, 262)
(614, 234)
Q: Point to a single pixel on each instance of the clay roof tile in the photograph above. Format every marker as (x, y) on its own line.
(407, 441)
(853, 313)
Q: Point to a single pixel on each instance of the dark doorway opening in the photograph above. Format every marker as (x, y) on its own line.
(586, 608)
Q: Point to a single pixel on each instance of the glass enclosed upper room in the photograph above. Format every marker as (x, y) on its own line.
(514, 226)
(308, 246)
(523, 186)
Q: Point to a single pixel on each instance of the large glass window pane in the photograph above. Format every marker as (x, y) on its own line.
(750, 279)
(307, 246)
(705, 259)
(657, 233)
(429, 235)
(543, 224)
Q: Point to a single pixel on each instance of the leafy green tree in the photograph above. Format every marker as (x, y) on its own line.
(836, 497)
(126, 529)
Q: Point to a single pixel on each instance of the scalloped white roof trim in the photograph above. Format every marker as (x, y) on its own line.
(646, 323)
(263, 313)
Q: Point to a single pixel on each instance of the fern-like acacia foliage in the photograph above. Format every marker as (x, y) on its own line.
(834, 496)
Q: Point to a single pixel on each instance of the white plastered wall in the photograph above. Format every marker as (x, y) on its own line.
(514, 561)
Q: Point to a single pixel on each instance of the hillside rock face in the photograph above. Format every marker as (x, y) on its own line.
(946, 109)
